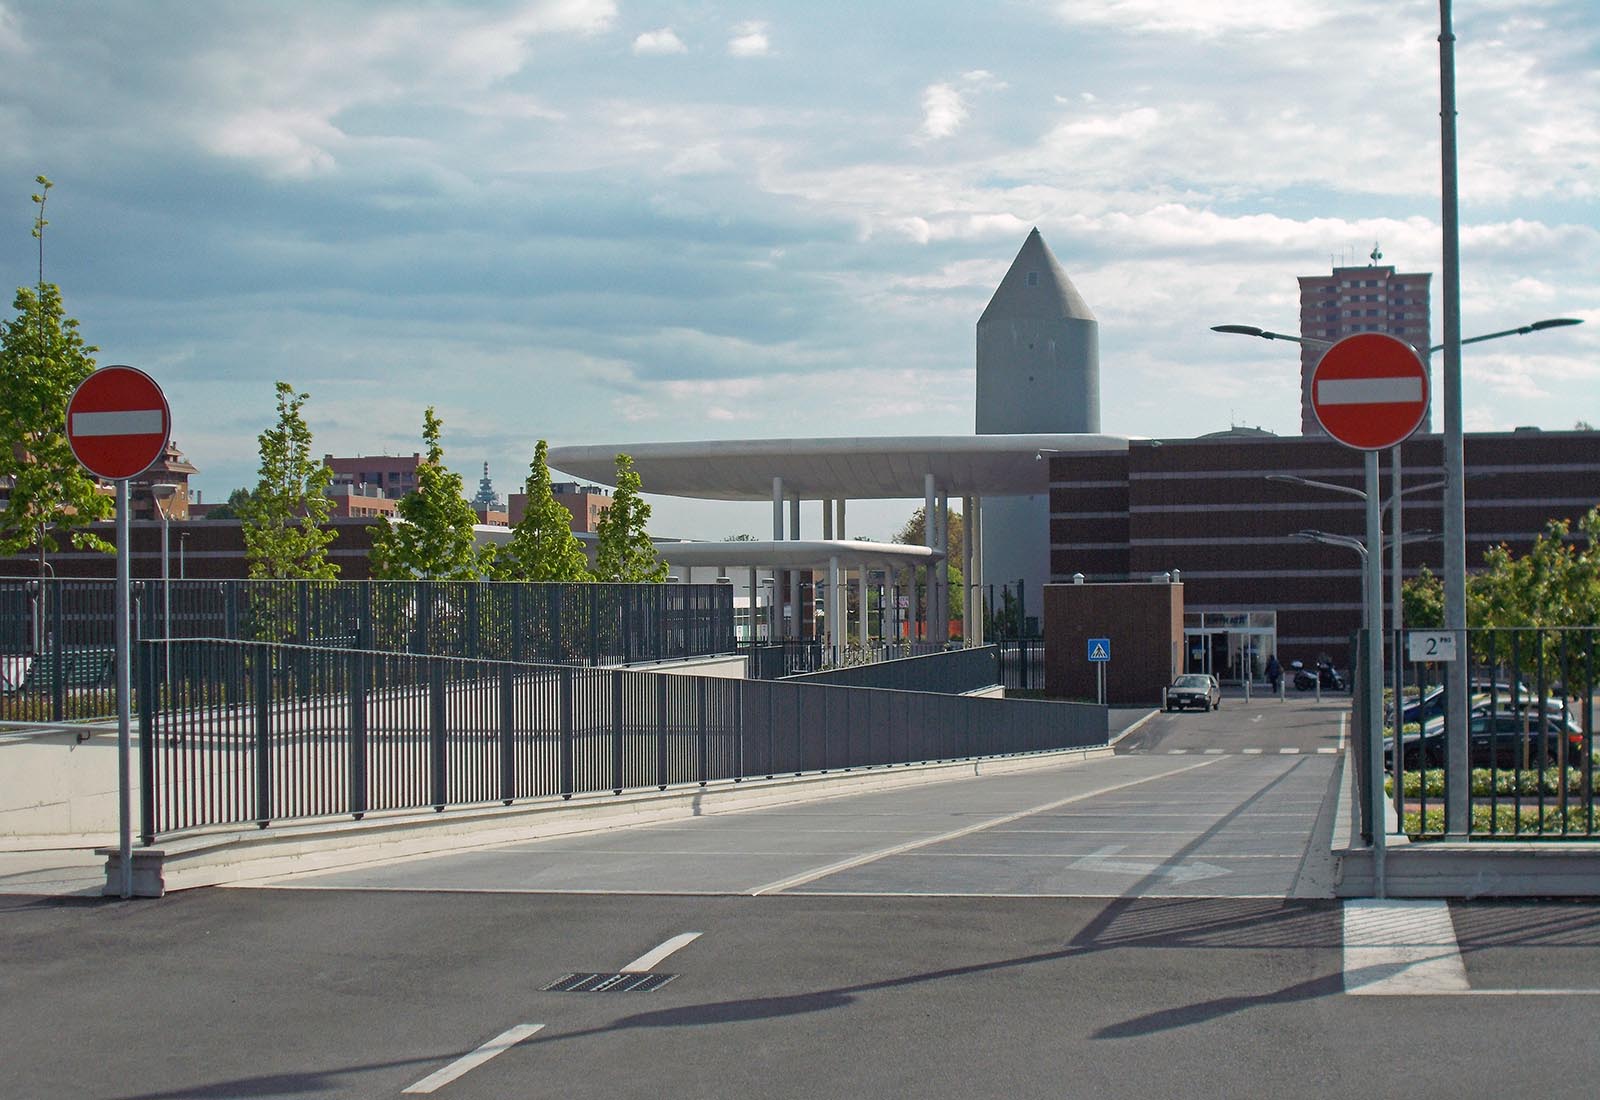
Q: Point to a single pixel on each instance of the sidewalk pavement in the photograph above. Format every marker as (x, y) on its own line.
(53, 866)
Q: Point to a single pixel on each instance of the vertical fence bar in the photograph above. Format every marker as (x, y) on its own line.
(617, 732)
(357, 703)
(436, 734)
(263, 716)
(58, 644)
(661, 732)
(508, 716)
(1589, 731)
(147, 737)
(565, 704)
(702, 688)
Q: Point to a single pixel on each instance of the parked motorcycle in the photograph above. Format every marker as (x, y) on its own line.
(1306, 678)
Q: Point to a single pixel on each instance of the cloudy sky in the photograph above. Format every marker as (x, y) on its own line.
(598, 221)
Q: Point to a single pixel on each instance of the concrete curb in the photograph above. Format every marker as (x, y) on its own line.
(239, 855)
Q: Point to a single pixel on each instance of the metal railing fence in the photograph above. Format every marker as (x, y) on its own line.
(1021, 663)
(1530, 734)
(951, 672)
(56, 636)
(262, 733)
(803, 656)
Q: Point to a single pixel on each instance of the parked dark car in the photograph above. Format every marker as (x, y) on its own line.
(1500, 739)
(1194, 689)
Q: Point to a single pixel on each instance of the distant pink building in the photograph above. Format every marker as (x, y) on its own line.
(1360, 299)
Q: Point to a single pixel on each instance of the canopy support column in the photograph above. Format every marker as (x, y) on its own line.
(972, 529)
(793, 630)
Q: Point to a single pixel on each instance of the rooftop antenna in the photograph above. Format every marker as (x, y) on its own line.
(1374, 255)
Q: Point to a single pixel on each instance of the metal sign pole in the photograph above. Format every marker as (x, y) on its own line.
(1372, 677)
(124, 690)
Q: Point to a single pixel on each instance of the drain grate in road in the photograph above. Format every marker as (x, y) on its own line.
(625, 982)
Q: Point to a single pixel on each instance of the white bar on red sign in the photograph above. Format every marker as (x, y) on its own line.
(129, 422)
(1369, 391)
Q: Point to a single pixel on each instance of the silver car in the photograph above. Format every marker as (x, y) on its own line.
(1194, 689)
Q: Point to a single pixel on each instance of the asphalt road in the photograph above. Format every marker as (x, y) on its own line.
(1126, 927)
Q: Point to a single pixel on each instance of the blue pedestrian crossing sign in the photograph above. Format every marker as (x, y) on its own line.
(1099, 649)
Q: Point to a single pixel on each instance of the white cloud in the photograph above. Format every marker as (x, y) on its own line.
(11, 39)
(290, 144)
(1206, 18)
(749, 40)
(943, 111)
(659, 42)
(944, 106)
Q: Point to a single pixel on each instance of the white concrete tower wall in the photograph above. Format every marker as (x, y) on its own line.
(1038, 371)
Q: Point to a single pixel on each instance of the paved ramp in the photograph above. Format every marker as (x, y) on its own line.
(1139, 824)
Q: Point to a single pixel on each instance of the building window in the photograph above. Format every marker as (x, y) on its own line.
(1033, 278)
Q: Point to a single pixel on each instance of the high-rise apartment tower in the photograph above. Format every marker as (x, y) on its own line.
(1360, 299)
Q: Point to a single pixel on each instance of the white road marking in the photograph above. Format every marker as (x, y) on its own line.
(1101, 861)
(1401, 947)
(651, 959)
(1325, 751)
(1288, 752)
(1177, 752)
(1257, 718)
(1213, 752)
(1254, 752)
(1344, 729)
(884, 853)
(467, 1062)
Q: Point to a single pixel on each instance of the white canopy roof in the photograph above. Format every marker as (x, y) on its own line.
(887, 468)
(796, 554)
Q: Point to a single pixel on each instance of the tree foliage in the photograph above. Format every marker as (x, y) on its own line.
(435, 538)
(623, 550)
(42, 360)
(542, 546)
(230, 508)
(914, 533)
(1555, 584)
(285, 519)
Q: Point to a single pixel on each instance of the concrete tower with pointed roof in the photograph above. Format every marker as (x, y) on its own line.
(1038, 370)
(1038, 351)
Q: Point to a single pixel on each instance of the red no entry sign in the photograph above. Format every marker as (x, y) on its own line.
(1370, 391)
(118, 422)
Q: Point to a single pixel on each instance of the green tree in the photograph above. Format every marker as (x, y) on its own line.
(434, 539)
(285, 520)
(230, 509)
(42, 360)
(623, 550)
(542, 546)
(914, 533)
(1422, 601)
(1555, 584)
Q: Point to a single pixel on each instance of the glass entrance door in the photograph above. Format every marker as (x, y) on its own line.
(1230, 645)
